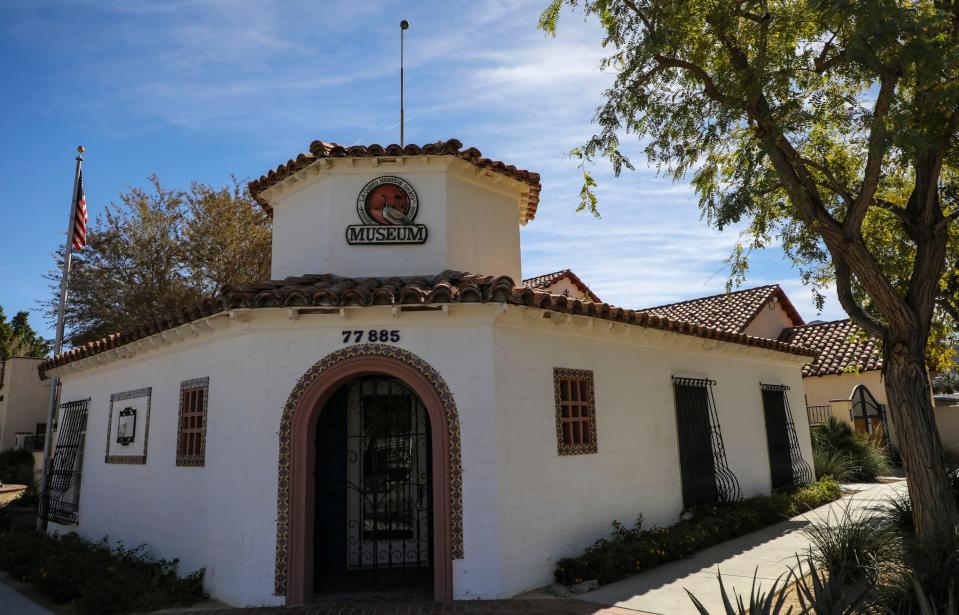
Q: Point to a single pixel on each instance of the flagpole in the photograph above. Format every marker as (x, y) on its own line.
(57, 347)
(404, 25)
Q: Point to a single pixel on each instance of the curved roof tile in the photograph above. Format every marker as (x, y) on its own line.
(452, 147)
(842, 346)
(728, 311)
(329, 290)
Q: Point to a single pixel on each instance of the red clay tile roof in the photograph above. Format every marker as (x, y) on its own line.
(452, 147)
(841, 346)
(328, 290)
(728, 311)
(542, 282)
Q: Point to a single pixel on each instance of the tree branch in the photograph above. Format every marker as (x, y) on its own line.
(709, 86)
(831, 182)
(877, 149)
(849, 303)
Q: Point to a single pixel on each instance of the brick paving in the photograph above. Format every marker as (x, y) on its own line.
(421, 607)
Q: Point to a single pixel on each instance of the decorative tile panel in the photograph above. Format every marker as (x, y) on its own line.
(133, 459)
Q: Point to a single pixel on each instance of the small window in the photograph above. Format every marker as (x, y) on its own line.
(575, 411)
(191, 433)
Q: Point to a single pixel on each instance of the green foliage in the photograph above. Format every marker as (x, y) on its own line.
(817, 593)
(18, 339)
(97, 579)
(835, 464)
(16, 466)
(861, 546)
(158, 251)
(846, 455)
(631, 550)
(860, 564)
(760, 603)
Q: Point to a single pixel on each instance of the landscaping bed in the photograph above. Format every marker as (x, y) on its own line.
(628, 551)
(95, 578)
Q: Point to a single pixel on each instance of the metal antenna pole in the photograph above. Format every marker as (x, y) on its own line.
(57, 347)
(404, 25)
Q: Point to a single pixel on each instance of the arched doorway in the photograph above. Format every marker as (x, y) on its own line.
(867, 414)
(297, 495)
(373, 511)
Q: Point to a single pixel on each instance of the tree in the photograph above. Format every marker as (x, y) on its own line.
(160, 250)
(18, 339)
(227, 238)
(811, 119)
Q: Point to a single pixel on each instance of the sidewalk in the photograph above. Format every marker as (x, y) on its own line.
(767, 553)
(13, 602)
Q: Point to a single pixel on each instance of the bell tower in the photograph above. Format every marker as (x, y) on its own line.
(370, 211)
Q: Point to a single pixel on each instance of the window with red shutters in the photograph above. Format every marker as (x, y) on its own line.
(191, 431)
(575, 411)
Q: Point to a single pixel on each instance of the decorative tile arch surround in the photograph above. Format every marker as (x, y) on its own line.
(332, 360)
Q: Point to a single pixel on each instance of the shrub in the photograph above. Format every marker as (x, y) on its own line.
(96, 578)
(836, 464)
(630, 550)
(834, 441)
(863, 547)
(16, 466)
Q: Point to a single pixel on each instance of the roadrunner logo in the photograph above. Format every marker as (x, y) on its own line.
(387, 206)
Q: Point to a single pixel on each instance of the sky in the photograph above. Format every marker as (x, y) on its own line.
(208, 89)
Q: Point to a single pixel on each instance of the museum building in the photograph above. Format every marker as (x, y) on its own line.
(397, 408)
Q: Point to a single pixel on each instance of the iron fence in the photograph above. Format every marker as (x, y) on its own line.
(817, 415)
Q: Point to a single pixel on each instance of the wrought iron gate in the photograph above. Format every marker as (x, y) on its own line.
(706, 476)
(867, 414)
(61, 499)
(374, 504)
(787, 467)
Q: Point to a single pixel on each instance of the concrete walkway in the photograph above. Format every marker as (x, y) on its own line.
(768, 553)
(13, 602)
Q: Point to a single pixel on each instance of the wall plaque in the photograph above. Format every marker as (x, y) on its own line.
(387, 206)
(126, 426)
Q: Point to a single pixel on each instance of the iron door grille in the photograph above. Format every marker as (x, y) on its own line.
(705, 473)
(61, 500)
(374, 525)
(787, 467)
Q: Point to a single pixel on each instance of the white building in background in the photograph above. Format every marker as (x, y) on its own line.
(376, 418)
(24, 401)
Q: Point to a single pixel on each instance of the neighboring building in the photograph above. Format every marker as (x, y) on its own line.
(24, 400)
(401, 422)
(563, 282)
(845, 379)
(760, 312)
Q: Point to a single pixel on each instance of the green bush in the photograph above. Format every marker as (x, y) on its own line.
(96, 578)
(16, 466)
(840, 452)
(631, 550)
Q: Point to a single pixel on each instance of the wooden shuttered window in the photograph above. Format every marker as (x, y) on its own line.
(191, 431)
(575, 411)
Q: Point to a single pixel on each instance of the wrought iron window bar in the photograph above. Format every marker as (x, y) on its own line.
(802, 473)
(62, 495)
(725, 483)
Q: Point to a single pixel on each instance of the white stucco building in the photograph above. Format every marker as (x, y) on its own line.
(375, 418)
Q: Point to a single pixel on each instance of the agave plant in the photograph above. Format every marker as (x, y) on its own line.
(817, 593)
(760, 603)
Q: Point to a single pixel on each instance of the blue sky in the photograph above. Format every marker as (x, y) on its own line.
(202, 89)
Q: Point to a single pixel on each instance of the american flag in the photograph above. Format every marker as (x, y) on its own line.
(80, 217)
